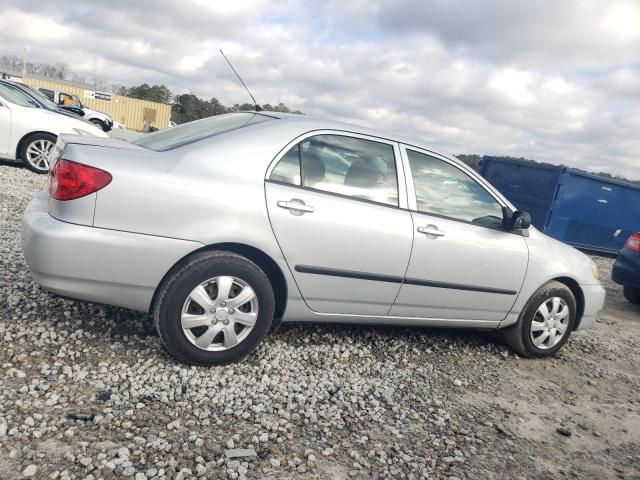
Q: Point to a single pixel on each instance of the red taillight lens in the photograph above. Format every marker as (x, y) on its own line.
(633, 242)
(70, 180)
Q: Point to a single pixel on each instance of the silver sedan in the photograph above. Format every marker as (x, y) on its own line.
(223, 226)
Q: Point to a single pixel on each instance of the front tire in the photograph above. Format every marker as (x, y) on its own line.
(99, 123)
(215, 309)
(545, 324)
(632, 294)
(35, 151)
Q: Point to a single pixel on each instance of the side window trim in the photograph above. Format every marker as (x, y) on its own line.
(399, 163)
(411, 192)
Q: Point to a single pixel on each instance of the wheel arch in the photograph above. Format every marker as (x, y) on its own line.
(26, 136)
(575, 288)
(267, 264)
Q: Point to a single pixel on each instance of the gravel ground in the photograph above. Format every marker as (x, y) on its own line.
(86, 392)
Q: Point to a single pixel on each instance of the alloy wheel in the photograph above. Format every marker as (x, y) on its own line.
(38, 153)
(550, 322)
(219, 313)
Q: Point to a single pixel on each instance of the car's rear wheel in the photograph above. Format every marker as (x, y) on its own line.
(632, 294)
(35, 151)
(546, 322)
(215, 309)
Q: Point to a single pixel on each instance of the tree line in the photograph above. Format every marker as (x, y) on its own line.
(188, 107)
(184, 108)
(474, 162)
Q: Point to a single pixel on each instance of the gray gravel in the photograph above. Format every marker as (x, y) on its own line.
(86, 392)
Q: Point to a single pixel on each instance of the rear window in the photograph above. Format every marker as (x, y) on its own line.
(191, 132)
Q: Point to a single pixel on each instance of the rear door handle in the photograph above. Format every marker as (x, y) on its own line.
(431, 230)
(295, 205)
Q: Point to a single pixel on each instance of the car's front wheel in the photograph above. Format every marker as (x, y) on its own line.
(35, 151)
(546, 322)
(215, 309)
(632, 294)
(99, 123)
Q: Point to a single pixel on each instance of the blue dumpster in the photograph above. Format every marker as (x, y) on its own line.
(584, 210)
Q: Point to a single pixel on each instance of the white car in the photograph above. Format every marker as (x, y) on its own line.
(29, 133)
(73, 103)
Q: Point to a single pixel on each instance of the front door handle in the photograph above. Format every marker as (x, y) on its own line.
(431, 230)
(297, 207)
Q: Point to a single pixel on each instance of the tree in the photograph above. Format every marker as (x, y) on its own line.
(155, 93)
(471, 160)
(188, 107)
(58, 70)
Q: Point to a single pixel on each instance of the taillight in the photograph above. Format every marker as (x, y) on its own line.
(633, 242)
(70, 180)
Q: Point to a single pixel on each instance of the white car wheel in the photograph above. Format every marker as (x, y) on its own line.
(36, 151)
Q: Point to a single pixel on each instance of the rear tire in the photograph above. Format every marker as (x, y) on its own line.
(632, 294)
(540, 331)
(218, 326)
(35, 149)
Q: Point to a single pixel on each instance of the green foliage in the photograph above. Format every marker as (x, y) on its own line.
(189, 107)
(472, 161)
(155, 93)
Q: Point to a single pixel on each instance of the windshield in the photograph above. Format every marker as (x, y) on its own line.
(41, 98)
(198, 130)
(17, 96)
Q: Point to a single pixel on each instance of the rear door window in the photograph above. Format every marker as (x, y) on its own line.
(354, 167)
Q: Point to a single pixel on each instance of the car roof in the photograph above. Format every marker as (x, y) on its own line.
(329, 124)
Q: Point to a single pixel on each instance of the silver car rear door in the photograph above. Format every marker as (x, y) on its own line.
(339, 220)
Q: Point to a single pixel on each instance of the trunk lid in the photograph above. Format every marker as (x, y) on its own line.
(67, 139)
(92, 151)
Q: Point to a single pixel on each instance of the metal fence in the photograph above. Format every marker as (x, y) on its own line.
(130, 112)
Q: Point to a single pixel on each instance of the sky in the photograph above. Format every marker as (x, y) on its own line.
(554, 81)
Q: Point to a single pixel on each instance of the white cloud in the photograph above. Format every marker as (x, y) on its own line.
(554, 81)
(622, 21)
(514, 85)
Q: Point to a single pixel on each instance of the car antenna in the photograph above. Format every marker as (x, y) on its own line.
(257, 107)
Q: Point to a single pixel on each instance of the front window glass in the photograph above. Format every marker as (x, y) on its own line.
(444, 189)
(14, 95)
(198, 130)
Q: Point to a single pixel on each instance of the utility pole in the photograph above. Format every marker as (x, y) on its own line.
(24, 62)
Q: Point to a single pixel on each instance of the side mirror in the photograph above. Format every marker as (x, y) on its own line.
(520, 220)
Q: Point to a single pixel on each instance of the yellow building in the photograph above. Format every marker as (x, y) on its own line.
(130, 112)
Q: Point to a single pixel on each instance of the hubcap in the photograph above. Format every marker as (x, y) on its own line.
(219, 313)
(550, 322)
(38, 153)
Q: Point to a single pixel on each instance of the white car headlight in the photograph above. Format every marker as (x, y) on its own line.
(595, 270)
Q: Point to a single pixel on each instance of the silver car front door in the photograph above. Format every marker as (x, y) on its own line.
(338, 222)
(463, 264)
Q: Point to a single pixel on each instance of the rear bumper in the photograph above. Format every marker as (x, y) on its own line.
(593, 302)
(94, 264)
